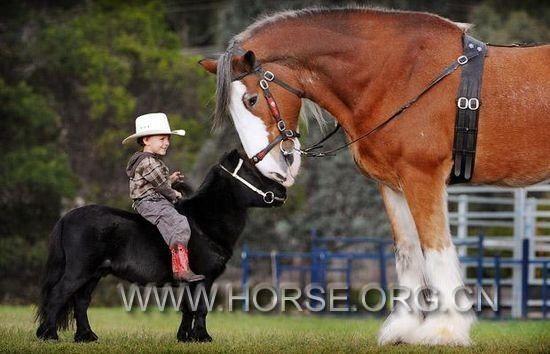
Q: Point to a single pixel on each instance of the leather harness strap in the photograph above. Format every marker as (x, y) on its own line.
(468, 105)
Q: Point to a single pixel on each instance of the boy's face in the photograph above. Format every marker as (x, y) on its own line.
(157, 144)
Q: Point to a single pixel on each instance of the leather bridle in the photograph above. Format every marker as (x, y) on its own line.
(267, 77)
(269, 196)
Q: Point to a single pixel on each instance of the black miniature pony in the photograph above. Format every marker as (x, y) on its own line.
(93, 241)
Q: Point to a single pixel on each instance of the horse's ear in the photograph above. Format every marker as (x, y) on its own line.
(210, 65)
(250, 58)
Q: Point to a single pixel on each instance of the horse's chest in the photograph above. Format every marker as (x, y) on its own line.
(373, 166)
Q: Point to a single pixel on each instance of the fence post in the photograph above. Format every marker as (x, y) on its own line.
(543, 291)
(497, 284)
(462, 227)
(382, 259)
(519, 233)
(479, 270)
(244, 266)
(246, 270)
(275, 273)
(348, 281)
(524, 278)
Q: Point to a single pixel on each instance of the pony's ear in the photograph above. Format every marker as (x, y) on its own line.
(210, 65)
(234, 155)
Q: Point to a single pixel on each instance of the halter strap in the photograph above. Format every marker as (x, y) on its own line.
(269, 196)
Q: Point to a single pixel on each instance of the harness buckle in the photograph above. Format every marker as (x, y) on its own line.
(462, 59)
(269, 76)
(269, 197)
(264, 84)
(287, 150)
(281, 125)
(470, 103)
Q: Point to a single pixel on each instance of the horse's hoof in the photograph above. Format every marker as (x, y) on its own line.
(46, 334)
(85, 337)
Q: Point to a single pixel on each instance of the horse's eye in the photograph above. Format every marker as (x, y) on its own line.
(250, 100)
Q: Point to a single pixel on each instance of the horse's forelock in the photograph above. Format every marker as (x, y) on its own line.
(223, 86)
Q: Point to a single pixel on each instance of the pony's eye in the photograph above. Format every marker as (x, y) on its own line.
(250, 100)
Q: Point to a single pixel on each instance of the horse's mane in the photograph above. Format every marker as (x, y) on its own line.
(276, 17)
(311, 109)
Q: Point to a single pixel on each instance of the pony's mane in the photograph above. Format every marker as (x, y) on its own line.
(309, 108)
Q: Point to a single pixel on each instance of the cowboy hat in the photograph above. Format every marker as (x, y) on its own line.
(152, 124)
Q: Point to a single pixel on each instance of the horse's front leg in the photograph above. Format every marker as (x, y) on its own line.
(449, 323)
(403, 321)
(198, 332)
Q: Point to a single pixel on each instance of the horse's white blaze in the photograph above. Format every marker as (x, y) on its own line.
(401, 324)
(254, 137)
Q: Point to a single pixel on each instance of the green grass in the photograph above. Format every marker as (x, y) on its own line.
(120, 331)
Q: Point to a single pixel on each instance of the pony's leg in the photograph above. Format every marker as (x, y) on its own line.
(400, 325)
(82, 300)
(449, 324)
(199, 332)
(186, 321)
(59, 305)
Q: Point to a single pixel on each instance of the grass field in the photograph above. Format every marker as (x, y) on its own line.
(120, 332)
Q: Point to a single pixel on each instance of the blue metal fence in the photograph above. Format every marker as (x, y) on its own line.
(320, 256)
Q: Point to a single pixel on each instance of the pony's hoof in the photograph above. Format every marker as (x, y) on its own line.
(201, 336)
(46, 334)
(85, 337)
(183, 337)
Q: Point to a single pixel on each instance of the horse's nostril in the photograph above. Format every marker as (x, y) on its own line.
(289, 159)
(280, 178)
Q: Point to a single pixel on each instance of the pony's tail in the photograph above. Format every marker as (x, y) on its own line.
(55, 267)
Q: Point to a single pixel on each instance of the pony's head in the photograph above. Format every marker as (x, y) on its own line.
(247, 184)
(263, 98)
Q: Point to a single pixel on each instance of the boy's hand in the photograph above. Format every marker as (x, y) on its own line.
(176, 176)
(178, 195)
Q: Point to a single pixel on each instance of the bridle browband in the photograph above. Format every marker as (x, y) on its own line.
(269, 196)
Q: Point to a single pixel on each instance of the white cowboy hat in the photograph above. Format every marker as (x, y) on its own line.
(152, 124)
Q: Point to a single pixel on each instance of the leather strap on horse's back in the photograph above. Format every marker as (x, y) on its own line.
(468, 105)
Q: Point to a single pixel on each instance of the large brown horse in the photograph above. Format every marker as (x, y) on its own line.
(361, 65)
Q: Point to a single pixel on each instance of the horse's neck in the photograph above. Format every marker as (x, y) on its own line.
(215, 212)
(360, 70)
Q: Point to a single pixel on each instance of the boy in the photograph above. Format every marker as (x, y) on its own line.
(151, 189)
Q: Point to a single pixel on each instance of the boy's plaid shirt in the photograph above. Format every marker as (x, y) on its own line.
(151, 176)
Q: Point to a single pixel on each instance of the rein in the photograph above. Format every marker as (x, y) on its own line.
(269, 196)
(460, 61)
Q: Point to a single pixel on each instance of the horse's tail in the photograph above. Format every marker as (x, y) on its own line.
(55, 267)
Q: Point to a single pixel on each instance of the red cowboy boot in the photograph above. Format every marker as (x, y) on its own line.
(180, 265)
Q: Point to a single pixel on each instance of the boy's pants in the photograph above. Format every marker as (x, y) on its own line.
(173, 226)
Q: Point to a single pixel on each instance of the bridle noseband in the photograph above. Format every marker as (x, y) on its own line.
(269, 196)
